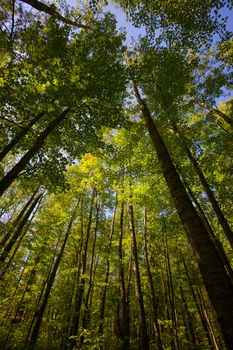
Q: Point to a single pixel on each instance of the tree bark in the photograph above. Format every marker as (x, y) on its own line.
(7, 249)
(124, 320)
(20, 166)
(154, 298)
(86, 315)
(40, 312)
(215, 239)
(19, 136)
(102, 307)
(221, 218)
(17, 220)
(22, 235)
(52, 11)
(81, 284)
(145, 344)
(215, 277)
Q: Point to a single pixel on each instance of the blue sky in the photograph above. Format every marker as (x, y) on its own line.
(133, 32)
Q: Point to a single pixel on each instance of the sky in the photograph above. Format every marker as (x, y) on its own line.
(131, 31)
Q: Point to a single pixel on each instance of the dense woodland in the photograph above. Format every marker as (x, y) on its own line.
(116, 193)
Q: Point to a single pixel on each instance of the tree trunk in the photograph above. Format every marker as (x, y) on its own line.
(215, 239)
(52, 11)
(171, 294)
(18, 231)
(216, 279)
(20, 166)
(142, 317)
(124, 320)
(40, 312)
(154, 298)
(24, 231)
(221, 218)
(18, 219)
(86, 315)
(19, 136)
(216, 112)
(102, 307)
(81, 284)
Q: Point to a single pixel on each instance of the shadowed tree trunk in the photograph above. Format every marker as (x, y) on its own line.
(81, 284)
(20, 166)
(215, 239)
(102, 306)
(124, 316)
(40, 312)
(154, 298)
(16, 234)
(19, 136)
(52, 11)
(221, 218)
(21, 237)
(141, 310)
(217, 282)
(17, 220)
(86, 314)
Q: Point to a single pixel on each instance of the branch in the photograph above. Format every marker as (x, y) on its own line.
(52, 11)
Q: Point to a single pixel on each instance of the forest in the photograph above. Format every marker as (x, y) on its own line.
(116, 196)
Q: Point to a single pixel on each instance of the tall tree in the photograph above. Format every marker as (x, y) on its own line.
(206, 253)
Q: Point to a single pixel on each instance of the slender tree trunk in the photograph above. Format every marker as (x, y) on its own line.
(24, 231)
(171, 294)
(40, 295)
(197, 304)
(19, 136)
(154, 298)
(102, 307)
(190, 329)
(19, 313)
(7, 249)
(86, 315)
(66, 344)
(222, 115)
(217, 112)
(221, 218)
(81, 286)
(142, 316)
(124, 321)
(41, 310)
(20, 166)
(211, 330)
(215, 239)
(17, 220)
(216, 279)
